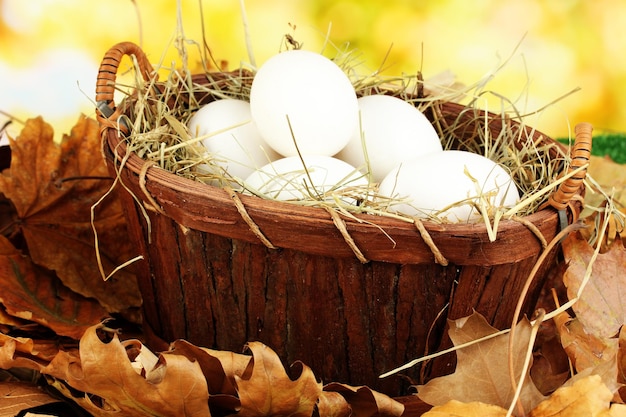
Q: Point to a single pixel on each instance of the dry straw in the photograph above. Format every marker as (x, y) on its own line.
(159, 113)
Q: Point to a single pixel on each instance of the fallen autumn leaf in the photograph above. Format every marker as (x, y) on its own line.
(482, 373)
(52, 187)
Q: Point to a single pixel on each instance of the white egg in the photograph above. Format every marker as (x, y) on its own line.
(287, 178)
(240, 149)
(312, 94)
(393, 131)
(447, 185)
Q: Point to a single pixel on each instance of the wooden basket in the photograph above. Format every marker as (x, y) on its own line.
(221, 268)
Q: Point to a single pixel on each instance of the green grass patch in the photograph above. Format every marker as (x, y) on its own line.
(608, 144)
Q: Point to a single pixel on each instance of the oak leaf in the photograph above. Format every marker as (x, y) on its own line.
(600, 308)
(219, 369)
(224, 371)
(24, 352)
(219, 366)
(361, 401)
(36, 294)
(52, 187)
(175, 386)
(266, 389)
(106, 376)
(332, 404)
(482, 371)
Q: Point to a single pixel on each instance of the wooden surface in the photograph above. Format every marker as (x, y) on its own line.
(349, 321)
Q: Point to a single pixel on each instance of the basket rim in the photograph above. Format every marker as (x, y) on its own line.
(210, 209)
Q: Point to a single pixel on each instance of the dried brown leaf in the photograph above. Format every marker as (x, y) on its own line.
(18, 396)
(266, 389)
(546, 378)
(587, 397)
(551, 365)
(600, 308)
(621, 364)
(36, 294)
(174, 387)
(458, 409)
(365, 402)
(49, 187)
(219, 369)
(616, 410)
(482, 372)
(12, 355)
(611, 176)
(585, 350)
(40, 351)
(7, 321)
(219, 366)
(225, 372)
(333, 404)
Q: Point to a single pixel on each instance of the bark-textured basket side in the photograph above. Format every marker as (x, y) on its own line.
(207, 276)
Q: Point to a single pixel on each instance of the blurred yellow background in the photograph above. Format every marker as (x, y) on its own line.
(50, 49)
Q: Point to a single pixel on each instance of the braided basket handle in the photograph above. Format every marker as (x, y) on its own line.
(106, 111)
(580, 154)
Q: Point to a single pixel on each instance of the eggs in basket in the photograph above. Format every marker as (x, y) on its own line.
(306, 135)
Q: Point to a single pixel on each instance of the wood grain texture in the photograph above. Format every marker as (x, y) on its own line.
(349, 321)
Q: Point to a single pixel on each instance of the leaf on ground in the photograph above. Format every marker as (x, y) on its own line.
(551, 365)
(266, 389)
(106, 377)
(226, 370)
(8, 321)
(610, 175)
(455, 408)
(616, 410)
(600, 308)
(332, 404)
(585, 350)
(219, 369)
(219, 366)
(621, 364)
(47, 186)
(24, 352)
(175, 386)
(18, 396)
(587, 397)
(482, 373)
(362, 401)
(38, 295)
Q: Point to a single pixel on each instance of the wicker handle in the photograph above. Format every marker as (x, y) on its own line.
(106, 111)
(580, 153)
